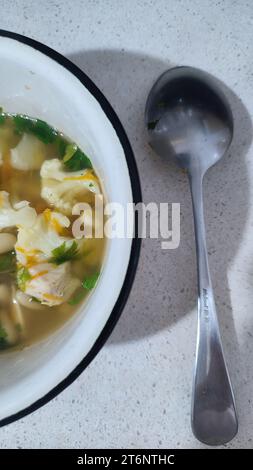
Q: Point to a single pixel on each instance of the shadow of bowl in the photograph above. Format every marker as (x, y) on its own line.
(165, 286)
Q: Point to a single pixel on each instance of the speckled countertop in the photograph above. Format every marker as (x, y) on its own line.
(136, 393)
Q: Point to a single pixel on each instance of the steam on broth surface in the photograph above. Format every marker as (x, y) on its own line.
(45, 273)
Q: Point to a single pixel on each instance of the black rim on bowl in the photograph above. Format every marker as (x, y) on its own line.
(136, 242)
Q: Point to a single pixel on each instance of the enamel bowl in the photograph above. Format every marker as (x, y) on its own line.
(37, 81)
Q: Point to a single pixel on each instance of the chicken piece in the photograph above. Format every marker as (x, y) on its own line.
(35, 244)
(51, 284)
(27, 301)
(63, 189)
(39, 275)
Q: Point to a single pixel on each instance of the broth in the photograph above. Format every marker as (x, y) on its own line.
(42, 166)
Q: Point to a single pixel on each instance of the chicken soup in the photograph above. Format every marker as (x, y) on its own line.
(45, 272)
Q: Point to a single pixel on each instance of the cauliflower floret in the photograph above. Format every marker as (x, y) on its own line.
(19, 214)
(29, 154)
(50, 284)
(64, 189)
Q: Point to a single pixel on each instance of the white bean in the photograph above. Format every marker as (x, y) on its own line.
(26, 301)
(7, 242)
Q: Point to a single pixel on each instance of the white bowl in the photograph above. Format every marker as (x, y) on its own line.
(38, 81)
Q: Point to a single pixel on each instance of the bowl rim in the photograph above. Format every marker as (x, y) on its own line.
(136, 242)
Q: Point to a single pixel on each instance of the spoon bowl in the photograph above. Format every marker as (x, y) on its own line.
(189, 121)
(189, 118)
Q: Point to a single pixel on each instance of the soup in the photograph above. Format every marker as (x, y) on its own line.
(45, 272)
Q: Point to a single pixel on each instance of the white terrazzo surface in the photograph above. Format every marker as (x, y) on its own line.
(136, 393)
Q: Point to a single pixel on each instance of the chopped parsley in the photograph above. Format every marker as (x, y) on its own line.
(70, 150)
(2, 117)
(77, 299)
(76, 160)
(37, 127)
(87, 284)
(90, 282)
(23, 276)
(61, 144)
(64, 253)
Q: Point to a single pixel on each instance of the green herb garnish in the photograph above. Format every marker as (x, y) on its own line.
(39, 128)
(70, 150)
(75, 300)
(61, 144)
(87, 284)
(76, 161)
(90, 282)
(23, 276)
(2, 118)
(64, 253)
(152, 124)
(8, 262)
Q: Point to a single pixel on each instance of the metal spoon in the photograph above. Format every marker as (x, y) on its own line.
(189, 120)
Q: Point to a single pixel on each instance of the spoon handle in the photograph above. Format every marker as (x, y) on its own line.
(214, 420)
